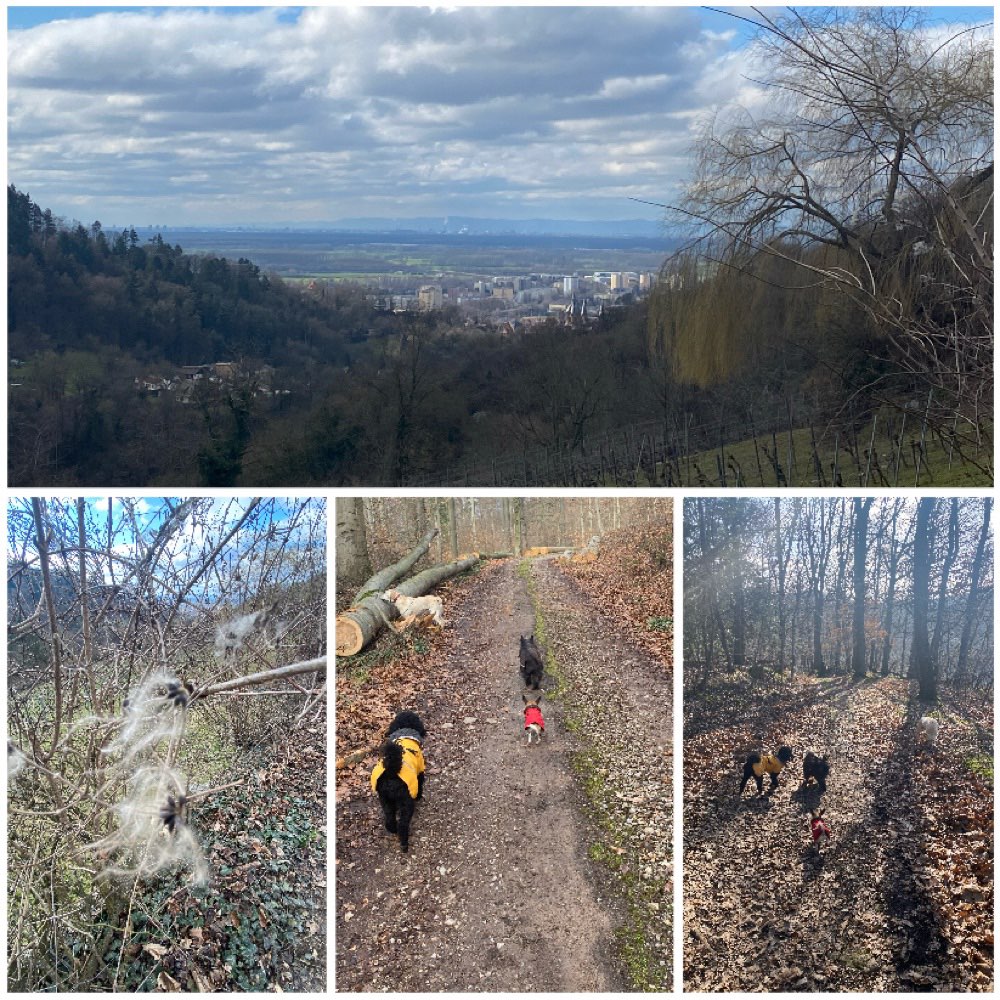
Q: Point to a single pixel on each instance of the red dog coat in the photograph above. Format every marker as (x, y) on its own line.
(819, 829)
(533, 717)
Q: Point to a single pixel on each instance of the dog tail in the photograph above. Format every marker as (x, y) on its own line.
(392, 758)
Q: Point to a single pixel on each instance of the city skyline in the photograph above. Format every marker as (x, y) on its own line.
(228, 116)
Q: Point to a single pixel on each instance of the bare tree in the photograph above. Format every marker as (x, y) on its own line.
(868, 162)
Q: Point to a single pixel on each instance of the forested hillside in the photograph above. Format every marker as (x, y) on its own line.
(269, 384)
(137, 363)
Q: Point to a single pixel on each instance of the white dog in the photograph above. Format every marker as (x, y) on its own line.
(413, 606)
(928, 730)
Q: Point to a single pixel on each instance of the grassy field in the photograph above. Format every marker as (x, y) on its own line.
(297, 255)
(894, 462)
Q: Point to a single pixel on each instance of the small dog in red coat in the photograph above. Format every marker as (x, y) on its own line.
(534, 724)
(819, 828)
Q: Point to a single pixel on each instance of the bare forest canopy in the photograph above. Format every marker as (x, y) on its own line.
(135, 363)
(389, 526)
(160, 652)
(842, 222)
(896, 587)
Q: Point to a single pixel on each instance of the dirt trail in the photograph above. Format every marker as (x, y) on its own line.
(764, 910)
(496, 893)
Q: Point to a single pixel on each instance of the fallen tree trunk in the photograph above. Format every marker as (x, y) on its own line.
(358, 625)
(385, 577)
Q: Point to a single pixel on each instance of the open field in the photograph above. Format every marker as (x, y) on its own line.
(368, 256)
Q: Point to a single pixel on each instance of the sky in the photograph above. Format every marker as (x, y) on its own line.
(213, 116)
(195, 538)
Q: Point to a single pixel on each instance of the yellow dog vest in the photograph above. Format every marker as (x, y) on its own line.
(413, 766)
(769, 764)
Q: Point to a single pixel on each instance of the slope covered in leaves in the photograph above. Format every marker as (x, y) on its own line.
(901, 899)
(632, 578)
(260, 923)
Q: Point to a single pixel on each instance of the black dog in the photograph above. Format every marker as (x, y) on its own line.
(815, 769)
(398, 778)
(532, 668)
(759, 764)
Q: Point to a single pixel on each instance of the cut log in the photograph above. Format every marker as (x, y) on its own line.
(358, 626)
(384, 578)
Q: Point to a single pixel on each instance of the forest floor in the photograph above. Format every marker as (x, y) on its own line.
(261, 923)
(507, 886)
(900, 899)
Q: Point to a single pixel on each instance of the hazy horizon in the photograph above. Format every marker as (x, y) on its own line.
(276, 117)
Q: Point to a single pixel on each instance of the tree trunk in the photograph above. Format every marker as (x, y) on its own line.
(920, 651)
(890, 600)
(384, 577)
(970, 607)
(862, 508)
(518, 512)
(452, 527)
(818, 665)
(782, 572)
(357, 627)
(352, 544)
(949, 559)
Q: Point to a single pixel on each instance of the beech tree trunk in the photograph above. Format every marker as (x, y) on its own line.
(359, 625)
(971, 603)
(922, 665)
(862, 507)
(352, 560)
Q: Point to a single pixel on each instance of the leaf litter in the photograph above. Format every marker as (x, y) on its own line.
(902, 897)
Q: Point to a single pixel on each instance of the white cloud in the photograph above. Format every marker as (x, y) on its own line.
(213, 115)
(164, 115)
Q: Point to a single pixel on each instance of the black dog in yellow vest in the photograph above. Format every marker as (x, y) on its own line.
(759, 764)
(398, 778)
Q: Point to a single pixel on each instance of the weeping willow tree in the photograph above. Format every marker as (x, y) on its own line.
(867, 146)
(716, 317)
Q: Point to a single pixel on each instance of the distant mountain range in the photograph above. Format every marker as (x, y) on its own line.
(457, 225)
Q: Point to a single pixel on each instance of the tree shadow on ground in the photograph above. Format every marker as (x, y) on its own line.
(738, 701)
